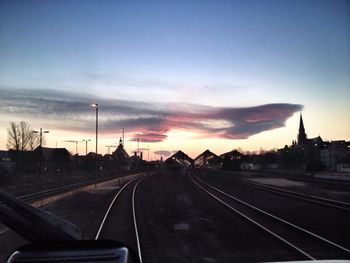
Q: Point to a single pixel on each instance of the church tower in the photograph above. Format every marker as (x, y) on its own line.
(302, 139)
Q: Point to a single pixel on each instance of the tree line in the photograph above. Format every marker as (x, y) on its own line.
(21, 137)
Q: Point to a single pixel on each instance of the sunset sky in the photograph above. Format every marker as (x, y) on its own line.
(189, 75)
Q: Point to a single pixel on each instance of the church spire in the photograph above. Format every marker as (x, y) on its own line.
(301, 124)
(302, 135)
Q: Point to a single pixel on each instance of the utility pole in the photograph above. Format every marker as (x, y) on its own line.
(109, 147)
(138, 146)
(148, 152)
(76, 152)
(86, 144)
(41, 149)
(138, 153)
(95, 105)
(41, 135)
(76, 145)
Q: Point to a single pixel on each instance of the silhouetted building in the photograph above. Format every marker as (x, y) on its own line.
(232, 160)
(121, 159)
(248, 166)
(92, 155)
(302, 138)
(178, 160)
(7, 164)
(303, 141)
(25, 161)
(208, 159)
(291, 157)
(315, 154)
(336, 156)
(53, 159)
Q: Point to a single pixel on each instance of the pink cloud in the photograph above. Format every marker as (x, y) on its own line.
(146, 121)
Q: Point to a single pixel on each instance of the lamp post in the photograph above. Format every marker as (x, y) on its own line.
(138, 146)
(76, 146)
(109, 148)
(95, 105)
(41, 135)
(41, 153)
(148, 152)
(138, 153)
(76, 152)
(86, 142)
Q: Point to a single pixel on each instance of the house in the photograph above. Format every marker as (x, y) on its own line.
(51, 160)
(343, 167)
(336, 155)
(6, 162)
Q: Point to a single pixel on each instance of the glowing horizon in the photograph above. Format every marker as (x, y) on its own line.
(193, 76)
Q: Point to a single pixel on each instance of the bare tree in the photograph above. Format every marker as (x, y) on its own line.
(34, 141)
(20, 137)
(25, 133)
(13, 137)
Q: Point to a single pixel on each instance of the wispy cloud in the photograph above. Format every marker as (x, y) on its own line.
(149, 122)
(150, 136)
(164, 153)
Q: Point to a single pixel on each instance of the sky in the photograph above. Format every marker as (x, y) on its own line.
(189, 75)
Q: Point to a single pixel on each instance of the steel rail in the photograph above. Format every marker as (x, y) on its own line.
(61, 189)
(310, 198)
(110, 207)
(135, 221)
(286, 242)
(331, 243)
(50, 191)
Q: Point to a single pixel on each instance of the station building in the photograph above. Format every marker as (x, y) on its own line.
(208, 159)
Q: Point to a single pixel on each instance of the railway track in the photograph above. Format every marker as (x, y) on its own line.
(52, 191)
(46, 193)
(300, 240)
(41, 195)
(61, 189)
(120, 221)
(344, 206)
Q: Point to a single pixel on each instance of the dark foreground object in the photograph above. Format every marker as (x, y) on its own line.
(78, 251)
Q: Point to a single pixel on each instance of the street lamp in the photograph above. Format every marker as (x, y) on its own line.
(41, 135)
(41, 142)
(86, 142)
(138, 153)
(109, 148)
(95, 105)
(138, 146)
(76, 146)
(148, 152)
(76, 152)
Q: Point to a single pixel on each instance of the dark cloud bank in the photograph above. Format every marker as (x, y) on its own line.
(150, 121)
